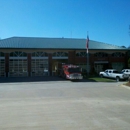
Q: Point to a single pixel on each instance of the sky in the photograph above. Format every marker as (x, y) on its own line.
(104, 21)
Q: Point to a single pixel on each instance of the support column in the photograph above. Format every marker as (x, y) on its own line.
(29, 64)
(50, 63)
(6, 64)
(110, 61)
(71, 57)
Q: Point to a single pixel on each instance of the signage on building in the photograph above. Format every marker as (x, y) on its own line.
(96, 62)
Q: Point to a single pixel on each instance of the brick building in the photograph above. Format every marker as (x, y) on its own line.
(29, 56)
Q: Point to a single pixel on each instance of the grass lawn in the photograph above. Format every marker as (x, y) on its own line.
(98, 79)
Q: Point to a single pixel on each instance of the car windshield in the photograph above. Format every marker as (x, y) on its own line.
(123, 71)
(74, 70)
(115, 71)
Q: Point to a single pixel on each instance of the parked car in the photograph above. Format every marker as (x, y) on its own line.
(112, 73)
(126, 71)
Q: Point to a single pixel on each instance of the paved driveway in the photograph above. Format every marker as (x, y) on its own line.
(64, 105)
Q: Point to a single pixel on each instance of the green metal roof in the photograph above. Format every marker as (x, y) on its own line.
(54, 43)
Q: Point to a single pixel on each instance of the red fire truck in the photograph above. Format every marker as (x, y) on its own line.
(69, 71)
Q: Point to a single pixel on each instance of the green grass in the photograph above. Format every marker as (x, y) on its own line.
(98, 79)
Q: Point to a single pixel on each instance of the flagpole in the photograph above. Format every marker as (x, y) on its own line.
(87, 54)
(87, 64)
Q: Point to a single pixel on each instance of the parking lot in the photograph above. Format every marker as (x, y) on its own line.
(56, 104)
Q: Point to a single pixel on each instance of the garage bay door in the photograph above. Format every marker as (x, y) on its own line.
(2, 64)
(18, 64)
(39, 64)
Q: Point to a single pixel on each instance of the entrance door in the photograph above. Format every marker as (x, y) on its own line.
(55, 65)
(98, 68)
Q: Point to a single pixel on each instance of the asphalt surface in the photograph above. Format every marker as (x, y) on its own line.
(56, 104)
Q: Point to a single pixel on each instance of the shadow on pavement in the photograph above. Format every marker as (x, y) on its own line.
(29, 79)
(37, 79)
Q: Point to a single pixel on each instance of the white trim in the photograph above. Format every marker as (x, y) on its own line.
(2, 57)
(59, 57)
(17, 57)
(46, 58)
(96, 62)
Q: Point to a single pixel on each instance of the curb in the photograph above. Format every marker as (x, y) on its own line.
(125, 86)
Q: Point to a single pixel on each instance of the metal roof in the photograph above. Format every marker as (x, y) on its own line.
(54, 43)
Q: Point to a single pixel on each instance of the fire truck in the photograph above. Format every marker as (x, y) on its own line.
(71, 72)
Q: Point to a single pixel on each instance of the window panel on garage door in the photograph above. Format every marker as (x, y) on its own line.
(18, 64)
(2, 68)
(2, 64)
(39, 64)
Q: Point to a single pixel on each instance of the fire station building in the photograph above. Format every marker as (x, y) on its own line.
(29, 56)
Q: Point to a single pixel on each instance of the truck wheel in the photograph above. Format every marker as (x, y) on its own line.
(101, 75)
(117, 79)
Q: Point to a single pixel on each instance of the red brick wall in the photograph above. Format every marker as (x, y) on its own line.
(84, 59)
(71, 57)
(92, 59)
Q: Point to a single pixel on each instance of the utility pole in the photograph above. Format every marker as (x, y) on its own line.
(129, 34)
(87, 47)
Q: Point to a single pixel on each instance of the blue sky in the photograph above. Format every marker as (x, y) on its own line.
(106, 20)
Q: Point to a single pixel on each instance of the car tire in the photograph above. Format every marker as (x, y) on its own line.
(117, 78)
(101, 75)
